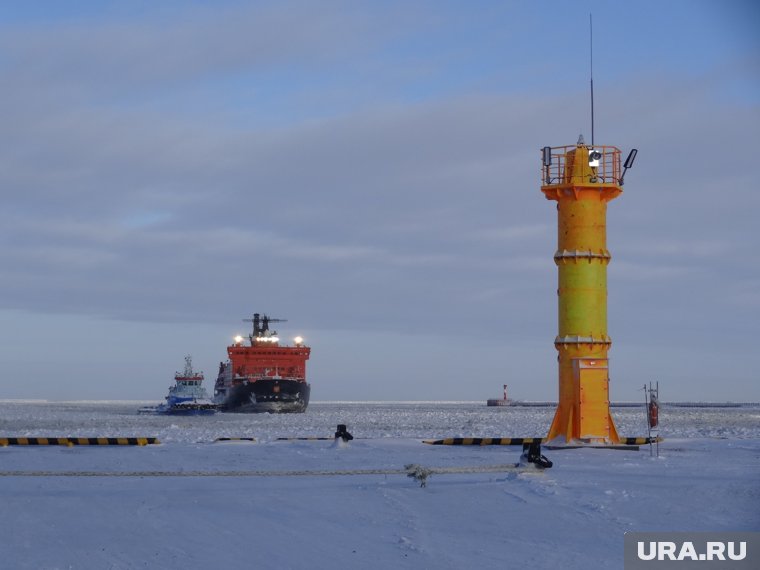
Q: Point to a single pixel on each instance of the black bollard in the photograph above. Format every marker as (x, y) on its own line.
(343, 434)
(532, 452)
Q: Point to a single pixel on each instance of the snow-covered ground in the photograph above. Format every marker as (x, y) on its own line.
(707, 478)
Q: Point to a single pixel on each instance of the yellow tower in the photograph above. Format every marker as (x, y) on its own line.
(582, 179)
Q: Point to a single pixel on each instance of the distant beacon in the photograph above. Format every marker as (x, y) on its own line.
(582, 179)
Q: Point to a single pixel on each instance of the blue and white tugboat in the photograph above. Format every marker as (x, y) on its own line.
(187, 397)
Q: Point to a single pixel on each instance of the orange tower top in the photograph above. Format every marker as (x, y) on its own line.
(574, 168)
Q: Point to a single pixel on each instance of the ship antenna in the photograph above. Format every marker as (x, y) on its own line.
(591, 54)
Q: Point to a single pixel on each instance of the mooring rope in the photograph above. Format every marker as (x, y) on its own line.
(408, 470)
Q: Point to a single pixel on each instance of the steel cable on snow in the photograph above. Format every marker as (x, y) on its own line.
(409, 470)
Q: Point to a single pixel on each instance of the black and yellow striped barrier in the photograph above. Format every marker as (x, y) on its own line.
(340, 433)
(640, 440)
(484, 441)
(313, 438)
(72, 441)
(524, 440)
(252, 439)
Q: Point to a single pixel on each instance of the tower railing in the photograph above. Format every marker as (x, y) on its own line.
(558, 170)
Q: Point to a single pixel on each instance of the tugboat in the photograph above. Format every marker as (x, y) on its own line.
(263, 376)
(187, 397)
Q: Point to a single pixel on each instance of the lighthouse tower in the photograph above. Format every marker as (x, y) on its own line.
(582, 180)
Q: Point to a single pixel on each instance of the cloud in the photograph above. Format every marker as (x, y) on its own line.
(677, 248)
(388, 206)
(513, 233)
(366, 170)
(110, 55)
(416, 202)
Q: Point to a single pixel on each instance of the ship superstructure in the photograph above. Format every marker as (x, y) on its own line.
(187, 396)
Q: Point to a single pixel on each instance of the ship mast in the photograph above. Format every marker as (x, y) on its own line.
(261, 326)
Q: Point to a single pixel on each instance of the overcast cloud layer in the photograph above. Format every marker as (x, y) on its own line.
(371, 172)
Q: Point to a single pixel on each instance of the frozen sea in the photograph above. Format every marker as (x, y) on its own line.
(192, 503)
(417, 420)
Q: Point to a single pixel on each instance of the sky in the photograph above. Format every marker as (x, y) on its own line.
(370, 171)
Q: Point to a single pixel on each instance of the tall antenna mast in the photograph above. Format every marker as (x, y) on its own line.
(591, 51)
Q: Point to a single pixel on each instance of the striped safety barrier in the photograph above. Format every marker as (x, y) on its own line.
(313, 438)
(72, 441)
(640, 440)
(341, 433)
(252, 439)
(525, 440)
(484, 441)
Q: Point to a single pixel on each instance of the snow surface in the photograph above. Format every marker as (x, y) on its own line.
(707, 478)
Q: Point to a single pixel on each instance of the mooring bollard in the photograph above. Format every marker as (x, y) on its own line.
(532, 453)
(343, 434)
